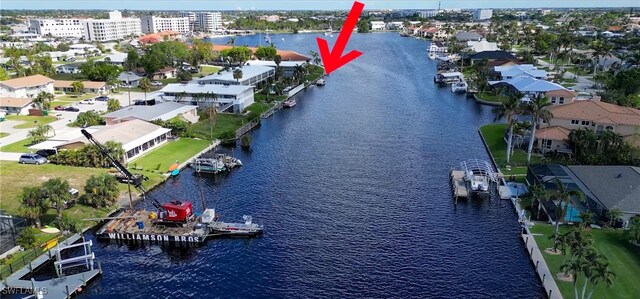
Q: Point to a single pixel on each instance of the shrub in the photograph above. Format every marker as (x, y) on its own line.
(101, 190)
(27, 237)
(69, 223)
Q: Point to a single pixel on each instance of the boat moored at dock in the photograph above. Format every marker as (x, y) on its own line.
(289, 103)
(459, 87)
(474, 178)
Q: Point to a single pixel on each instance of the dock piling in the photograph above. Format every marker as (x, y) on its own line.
(67, 288)
(537, 262)
(100, 267)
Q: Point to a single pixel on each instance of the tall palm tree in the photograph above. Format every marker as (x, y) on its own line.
(537, 108)
(77, 86)
(237, 74)
(614, 215)
(43, 100)
(34, 206)
(564, 197)
(538, 194)
(509, 110)
(57, 191)
(600, 274)
(145, 85)
(101, 190)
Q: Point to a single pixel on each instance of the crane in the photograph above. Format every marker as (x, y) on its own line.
(135, 180)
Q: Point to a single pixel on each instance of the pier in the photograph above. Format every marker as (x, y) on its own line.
(61, 287)
(458, 186)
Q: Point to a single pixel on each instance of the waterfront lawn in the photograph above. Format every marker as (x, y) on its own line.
(492, 97)
(225, 124)
(159, 160)
(30, 121)
(21, 146)
(208, 69)
(315, 72)
(624, 261)
(494, 136)
(13, 179)
(259, 97)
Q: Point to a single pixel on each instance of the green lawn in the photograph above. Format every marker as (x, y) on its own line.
(624, 259)
(225, 122)
(570, 80)
(3, 134)
(315, 72)
(74, 97)
(161, 158)
(170, 80)
(492, 97)
(208, 69)
(263, 98)
(493, 135)
(568, 85)
(21, 146)
(30, 121)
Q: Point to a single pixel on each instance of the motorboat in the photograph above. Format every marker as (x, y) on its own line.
(460, 86)
(289, 103)
(320, 82)
(479, 177)
(245, 229)
(208, 165)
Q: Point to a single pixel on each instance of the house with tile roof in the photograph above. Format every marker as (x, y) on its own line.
(26, 87)
(19, 106)
(89, 86)
(592, 114)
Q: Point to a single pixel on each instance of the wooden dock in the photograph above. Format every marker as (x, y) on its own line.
(62, 287)
(458, 185)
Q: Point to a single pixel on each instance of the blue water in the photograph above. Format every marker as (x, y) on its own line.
(351, 186)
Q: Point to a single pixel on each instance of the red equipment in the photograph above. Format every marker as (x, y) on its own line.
(177, 211)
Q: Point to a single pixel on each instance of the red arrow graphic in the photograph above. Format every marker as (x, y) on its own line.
(334, 60)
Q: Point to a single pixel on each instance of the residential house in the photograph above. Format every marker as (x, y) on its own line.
(481, 46)
(251, 75)
(26, 87)
(136, 136)
(428, 32)
(437, 47)
(561, 96)
(377, 25)
(519, 71)
(529, 86)
(604, 188)
(491, 56)
(129, 79)
(224, 97)
(164, 73)
(18, 106)
(71, 68)
(163, 111)
(89, 86)
(465, 36)
(115, 59)
(591, 114)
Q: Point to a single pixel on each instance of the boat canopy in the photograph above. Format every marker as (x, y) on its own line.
(480, 167)
(452, 75)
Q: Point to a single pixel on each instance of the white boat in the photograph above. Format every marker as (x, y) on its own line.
(320, 82)
(329, 32)
(479, 176)
(289, 103)
(459, 86)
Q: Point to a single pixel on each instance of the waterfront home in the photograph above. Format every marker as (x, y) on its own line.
(604, 188)
(26, 87)
(377, 25)
(288, 67)
(437, 47)
(465, 36)
(528, 86)
(85, 49)
(163, 111)
(71, 68)
(562, 96)
(18, 106)
(592, 114)
(251, 75)
(136, 136)
(509, 72)
(233, 98)
(88, 86)
(129, 79)
(482, 45)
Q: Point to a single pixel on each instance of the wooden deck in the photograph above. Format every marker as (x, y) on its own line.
(458, 186)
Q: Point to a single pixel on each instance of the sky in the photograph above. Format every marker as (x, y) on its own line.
(303, 5)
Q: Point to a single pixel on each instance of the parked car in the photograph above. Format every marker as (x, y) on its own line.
(70, 59)
(59, 108)
(102, 98)
(32, 159)
(87, 102)
(156, 83)
(47, 152)
(72, 109)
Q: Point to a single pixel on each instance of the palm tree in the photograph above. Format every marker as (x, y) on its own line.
(509, 110)
(277, 59)
(112, 105)
(564, 197)
(237, 74)
(600, 274)
(537, 108)
(600, 49)
(101, 190)
(614, 215)
(539, 194)
(77, 86)
(43, 100)
(33, 204)
(116, 150)
(56, 190)
(145, 85)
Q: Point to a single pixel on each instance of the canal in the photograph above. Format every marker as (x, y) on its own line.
(351, 186)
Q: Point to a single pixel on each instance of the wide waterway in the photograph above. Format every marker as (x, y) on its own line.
(352, 188)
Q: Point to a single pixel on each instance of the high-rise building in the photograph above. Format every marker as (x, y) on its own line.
(57, 27)
(114, 28)
(428, 13)
(208, 21)
(482, 14)
(153, 24)
(191, 16)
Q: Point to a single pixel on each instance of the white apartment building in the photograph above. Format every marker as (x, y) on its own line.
(377, 25)
(191, 17)
(153, 24)
(208, 21)
(114, 28)
(482, 14)
(57, 27)
(428, 14)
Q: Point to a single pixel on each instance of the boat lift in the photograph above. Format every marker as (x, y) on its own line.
(86, 260)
